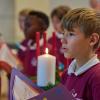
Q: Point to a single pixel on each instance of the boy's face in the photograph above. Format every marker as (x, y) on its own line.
(56, 24)
(32, 26)
(75, 44)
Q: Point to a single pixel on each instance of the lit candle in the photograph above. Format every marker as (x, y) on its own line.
(46, 69)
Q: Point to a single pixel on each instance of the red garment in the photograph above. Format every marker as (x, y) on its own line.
(85, 86)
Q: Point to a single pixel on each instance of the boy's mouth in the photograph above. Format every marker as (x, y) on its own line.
(64, 48)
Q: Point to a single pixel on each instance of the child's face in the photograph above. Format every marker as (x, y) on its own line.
(56, 24)
(75, 44)
(32, 26)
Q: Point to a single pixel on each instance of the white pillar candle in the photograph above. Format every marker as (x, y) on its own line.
(46, 69)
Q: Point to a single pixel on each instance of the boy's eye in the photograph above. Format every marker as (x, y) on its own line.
(70, 34)
(62, 33)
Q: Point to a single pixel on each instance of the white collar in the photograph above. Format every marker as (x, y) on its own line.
(59, 35)
(93, 61)
(33, 47)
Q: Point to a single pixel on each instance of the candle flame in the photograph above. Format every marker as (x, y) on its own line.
(46, 50)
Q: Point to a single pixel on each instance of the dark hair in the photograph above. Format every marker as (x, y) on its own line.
(42, 16)
(60, 11)
(88, 20)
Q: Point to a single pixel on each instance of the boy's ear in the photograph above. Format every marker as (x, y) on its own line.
(94, 38)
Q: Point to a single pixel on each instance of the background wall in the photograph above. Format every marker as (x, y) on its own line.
(71, 3)
(9, 10)
(7, 18)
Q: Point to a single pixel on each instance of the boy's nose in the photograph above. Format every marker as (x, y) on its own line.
(63, 40)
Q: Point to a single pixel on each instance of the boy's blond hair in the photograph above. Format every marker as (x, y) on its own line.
(87, 20)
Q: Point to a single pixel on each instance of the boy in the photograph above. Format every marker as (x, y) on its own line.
(56, 16)
(36, 21)
(81, 39)
(22, 14)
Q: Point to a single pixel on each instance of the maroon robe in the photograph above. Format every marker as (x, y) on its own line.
(29, 59)
(85, 86)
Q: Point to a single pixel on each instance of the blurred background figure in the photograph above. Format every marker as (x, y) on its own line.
(95, 4)
(8, 60)
(21, 20)
(35, 21)
(56, 16)
(22, 15)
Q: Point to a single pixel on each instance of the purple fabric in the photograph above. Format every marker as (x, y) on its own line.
(57, 93)
(28, 59)
(85, 86)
